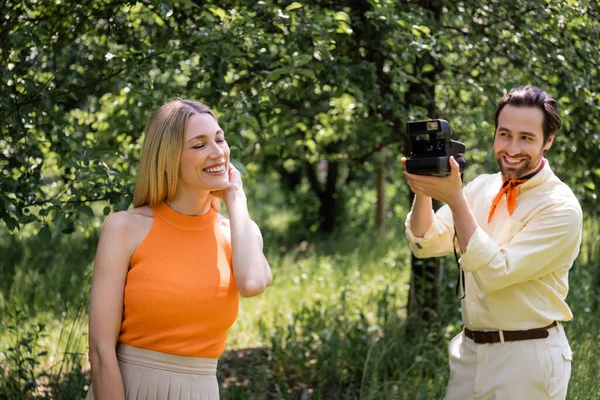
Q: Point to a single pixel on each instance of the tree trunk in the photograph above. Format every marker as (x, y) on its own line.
(424, 292)
(329, 200)
(380, 212)
(328, 196)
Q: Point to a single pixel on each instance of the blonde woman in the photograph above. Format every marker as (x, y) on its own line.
(168, 273)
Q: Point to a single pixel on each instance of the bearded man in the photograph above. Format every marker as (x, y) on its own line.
(519, 231)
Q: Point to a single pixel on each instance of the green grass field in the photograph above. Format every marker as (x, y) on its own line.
(330, 327)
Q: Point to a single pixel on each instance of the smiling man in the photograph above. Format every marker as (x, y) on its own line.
(519, 231)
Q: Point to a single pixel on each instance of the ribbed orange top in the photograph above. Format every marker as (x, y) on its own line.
(180, 294)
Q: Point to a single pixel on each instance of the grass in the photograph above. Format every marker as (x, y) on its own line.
(330, 327)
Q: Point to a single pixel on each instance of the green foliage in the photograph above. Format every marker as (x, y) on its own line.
(296, 84)
(25, 357)
(20, 359)
(311, 94)
(336, 351)
(338, 329)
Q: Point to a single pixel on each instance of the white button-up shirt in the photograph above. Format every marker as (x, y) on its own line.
(517, 266)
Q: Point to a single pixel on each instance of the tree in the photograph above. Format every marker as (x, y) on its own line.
(315, 89)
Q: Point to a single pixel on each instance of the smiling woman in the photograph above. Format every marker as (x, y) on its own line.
(205, 155)
(169, 272)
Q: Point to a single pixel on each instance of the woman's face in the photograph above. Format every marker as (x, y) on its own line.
(205, 157)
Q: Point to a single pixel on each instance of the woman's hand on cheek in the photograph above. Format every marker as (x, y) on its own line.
(234, 184)
(235, 179)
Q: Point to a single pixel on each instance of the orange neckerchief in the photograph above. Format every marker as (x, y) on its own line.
(509, 186)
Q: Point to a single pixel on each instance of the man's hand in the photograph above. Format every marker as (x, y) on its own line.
(444, 188)
(449, 190)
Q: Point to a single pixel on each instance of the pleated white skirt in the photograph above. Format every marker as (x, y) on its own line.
(150, 375)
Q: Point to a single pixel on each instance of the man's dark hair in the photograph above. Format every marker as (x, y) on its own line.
(531, 96)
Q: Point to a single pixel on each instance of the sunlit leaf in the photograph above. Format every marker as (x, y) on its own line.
(341, 16)
(294, 6)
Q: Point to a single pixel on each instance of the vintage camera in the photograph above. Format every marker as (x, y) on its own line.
(430, 148)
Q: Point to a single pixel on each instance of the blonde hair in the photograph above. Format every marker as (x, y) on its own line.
(161, 153)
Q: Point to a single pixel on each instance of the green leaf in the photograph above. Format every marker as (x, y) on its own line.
(344, 27)
(45, 234)
(26, 219)
(218, 12)
(238, 165)
(65, 224)
(418, 29)
(302, 59)
(124, 202)
(249, 120)
(307, 72)
(311, 145)
(11, 223)
(277, 73)
(425, 29)
(86, 210)
(341, 16)
(294, 6)
(427, 68)
(190, 3)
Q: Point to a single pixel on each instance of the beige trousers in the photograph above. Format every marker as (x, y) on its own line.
(158, 376)
(529, 370)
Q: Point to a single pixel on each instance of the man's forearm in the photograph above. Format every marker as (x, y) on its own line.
(421, 219)
(465, 223)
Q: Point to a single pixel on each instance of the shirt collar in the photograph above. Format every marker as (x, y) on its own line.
(537, 177)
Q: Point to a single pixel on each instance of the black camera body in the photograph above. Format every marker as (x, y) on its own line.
(431, 147)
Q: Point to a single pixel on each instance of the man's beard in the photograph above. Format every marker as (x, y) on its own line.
(524, 168)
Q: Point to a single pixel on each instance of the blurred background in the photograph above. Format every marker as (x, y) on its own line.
(314, 97)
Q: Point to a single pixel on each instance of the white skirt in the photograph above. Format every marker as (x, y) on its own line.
(151, 375)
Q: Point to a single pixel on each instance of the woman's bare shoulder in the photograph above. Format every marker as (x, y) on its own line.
(129, 219)
(131, 225)
(142, 213)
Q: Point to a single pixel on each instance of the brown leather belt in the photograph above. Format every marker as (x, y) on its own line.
(482, 337)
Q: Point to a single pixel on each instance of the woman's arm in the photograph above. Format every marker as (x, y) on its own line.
(106, 305)
(250, 266)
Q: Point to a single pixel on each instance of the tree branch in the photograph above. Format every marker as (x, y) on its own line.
(57, 93)
(361, 159)
(483, 27)
(42, 202)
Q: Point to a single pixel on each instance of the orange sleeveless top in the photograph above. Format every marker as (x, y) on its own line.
(180, 294)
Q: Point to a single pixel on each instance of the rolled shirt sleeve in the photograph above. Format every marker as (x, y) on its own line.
(516, 265)
(547, 243)
(437, 241)
(439, 238)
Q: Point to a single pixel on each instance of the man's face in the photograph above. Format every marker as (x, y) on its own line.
(519, 142)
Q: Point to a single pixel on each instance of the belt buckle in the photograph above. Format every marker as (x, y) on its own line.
(481, 337)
